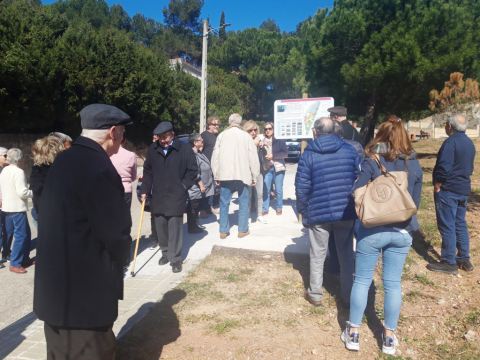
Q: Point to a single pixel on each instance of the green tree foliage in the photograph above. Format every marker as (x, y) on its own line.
(222, 33)
(380, 57)
(184, 15)
(270, 25)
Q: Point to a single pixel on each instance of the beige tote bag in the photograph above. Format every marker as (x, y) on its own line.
(385, 200)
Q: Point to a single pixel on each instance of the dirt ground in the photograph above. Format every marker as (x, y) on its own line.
(233, 308)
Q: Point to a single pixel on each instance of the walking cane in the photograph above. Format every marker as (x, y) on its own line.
(138, 238)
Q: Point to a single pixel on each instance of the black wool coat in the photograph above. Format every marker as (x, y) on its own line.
(170, 176)
(83, 240)
(37, 181)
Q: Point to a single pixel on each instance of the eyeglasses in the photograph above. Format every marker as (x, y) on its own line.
(215, 124)
(256, 130)
(268, 129)
(5, 156)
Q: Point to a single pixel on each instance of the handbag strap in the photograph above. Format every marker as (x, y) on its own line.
(383, 169)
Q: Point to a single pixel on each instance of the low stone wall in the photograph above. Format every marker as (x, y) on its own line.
(23, 142)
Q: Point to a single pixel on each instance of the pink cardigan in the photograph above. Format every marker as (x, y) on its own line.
(126, 164)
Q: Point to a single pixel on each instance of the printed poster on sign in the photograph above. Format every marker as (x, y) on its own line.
(294, 118)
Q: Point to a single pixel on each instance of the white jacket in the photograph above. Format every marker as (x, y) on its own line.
(235, 156)
(15, 192)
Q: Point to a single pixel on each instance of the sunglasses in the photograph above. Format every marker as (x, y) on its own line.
(215, 124)
(268, 129)
(5, 156)
(256, 130)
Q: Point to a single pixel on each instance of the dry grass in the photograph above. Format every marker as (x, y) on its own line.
(233, 308)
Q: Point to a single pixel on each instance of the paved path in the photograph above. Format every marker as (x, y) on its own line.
(24, 338)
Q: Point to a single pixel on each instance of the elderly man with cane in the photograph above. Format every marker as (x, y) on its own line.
(169, 171)
(83, 241)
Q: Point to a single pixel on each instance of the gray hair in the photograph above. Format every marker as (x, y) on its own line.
(3, 150)
(235, 118)
(338, 129)
(61, 136)
(459, 122)
(99, 135)
(324, 126)
(14, 156)
(192, 138)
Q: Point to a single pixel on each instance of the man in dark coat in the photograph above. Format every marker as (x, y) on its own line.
(339, 113)
(83, 242)
(171, 168)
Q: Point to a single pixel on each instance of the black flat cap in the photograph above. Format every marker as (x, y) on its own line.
(101, 116)
(338, 110)
(163, 127)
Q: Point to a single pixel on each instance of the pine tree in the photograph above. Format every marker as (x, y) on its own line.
(222, 34)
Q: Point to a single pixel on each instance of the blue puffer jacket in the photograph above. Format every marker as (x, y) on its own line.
(325, 176)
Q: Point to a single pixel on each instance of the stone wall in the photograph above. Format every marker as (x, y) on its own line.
(23, 142)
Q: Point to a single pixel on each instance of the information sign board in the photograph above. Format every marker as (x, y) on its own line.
(294, 118)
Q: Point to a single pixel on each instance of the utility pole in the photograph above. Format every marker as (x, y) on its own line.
(203, 94)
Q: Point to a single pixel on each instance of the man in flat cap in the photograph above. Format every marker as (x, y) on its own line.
(169, 171)
(339, 113)
(83, 241)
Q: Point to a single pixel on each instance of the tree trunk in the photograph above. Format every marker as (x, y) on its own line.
(368, 126)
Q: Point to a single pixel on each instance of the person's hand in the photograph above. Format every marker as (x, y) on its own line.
(260, 144)
(217, 182)
(437, 187)
(202, 189)
(269, 157)
(143, 197)
(253, 184)
(140, 177)
(306, 226)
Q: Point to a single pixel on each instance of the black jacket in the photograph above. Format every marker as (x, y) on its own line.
(83, 240)
(37, 181)
(171, 176)
(349, 132)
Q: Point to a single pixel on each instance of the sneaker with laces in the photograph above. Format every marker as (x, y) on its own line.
(352, 342)
(389, 345)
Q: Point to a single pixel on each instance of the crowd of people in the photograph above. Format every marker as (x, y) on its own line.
(82, 195)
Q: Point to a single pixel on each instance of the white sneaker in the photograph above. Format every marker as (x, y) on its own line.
(389, 345)
(352, 342)
(261, 219)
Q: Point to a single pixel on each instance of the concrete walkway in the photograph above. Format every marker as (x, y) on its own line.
(283, 236)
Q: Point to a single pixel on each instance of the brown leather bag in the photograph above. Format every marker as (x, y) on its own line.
(385, 200)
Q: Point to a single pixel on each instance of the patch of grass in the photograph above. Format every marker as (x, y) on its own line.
(198, 289)
(380, 312)
(290, 322)
(409, 261)
(217, 295)
(423, 279)
(192, 318)
(246, 271)
(232, 277)
(190, 348)
(223, 270)
(224, 326)
(364, 319)
(317, 311)
(427, 183)
(473, 318)
(242, 350)
(243, 295)
(391, 357)
(413, 295)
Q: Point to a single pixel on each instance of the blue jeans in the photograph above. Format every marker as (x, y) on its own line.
(17, 225)
(277, 177)
(5, 239)
(394, 246)
(227, 188)
(451, 209)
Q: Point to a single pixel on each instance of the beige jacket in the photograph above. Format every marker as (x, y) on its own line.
(235, 156)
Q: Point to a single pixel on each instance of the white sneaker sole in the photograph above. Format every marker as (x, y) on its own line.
(349, 345)
(391, 350)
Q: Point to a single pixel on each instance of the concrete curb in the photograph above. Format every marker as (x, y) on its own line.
(249, 254)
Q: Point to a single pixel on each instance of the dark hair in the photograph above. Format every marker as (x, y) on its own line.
(338, 129)
(192, 138)
(324, 126)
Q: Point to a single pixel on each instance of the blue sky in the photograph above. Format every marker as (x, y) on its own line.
(240, 13)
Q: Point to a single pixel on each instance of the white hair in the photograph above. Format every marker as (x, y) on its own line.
(61, 136)
(14, 156)
(100, 135)
(3, 150)
(235, 118)
(457, 124)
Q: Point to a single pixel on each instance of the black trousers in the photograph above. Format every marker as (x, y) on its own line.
(80, 344)
(128, 199)
(192, 213)
(153, 237)
(170, 236)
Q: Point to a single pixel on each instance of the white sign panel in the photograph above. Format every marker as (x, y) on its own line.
(294, 118)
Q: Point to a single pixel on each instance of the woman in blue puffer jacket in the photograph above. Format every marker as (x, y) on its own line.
(396, 153)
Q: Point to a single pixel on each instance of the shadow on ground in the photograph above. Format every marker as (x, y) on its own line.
(160, 322)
